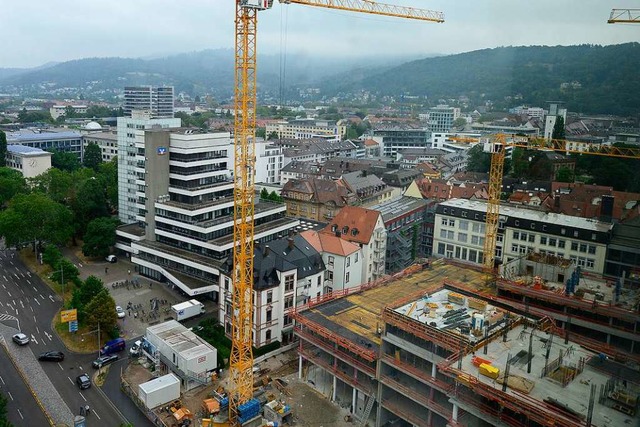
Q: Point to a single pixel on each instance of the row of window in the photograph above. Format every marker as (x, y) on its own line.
(462, 237)
(452, 251)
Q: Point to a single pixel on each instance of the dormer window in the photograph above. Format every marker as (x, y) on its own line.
(345, 229)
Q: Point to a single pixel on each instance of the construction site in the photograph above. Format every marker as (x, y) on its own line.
(460, 348)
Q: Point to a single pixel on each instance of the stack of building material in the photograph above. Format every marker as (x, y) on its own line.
(517, 382)
(456, 298)
(248, 410)
(477, 304)
(489, 371)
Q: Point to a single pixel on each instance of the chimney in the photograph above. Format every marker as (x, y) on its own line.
(290, 241)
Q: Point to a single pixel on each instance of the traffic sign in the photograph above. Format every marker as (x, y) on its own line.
(68, 315)
(73, 326)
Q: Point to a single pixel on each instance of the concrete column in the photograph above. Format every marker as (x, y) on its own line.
(608, 339)
(333, 393)
(434, 370)
(299, 366)
(455, 413)
(353, 400)
(430, 417)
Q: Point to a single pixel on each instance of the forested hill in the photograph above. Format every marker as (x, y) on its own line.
(607, 76)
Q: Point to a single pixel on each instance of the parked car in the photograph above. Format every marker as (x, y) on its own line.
(51, 356)
(83, 381)
(20, 339)
(112, 258)
(113, 346)
(136, 349)
(104, 360)
(120, 312)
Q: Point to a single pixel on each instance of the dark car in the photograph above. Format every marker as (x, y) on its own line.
(52, 356)
(104, 360)
(83, 381)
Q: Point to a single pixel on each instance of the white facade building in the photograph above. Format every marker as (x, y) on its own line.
(157, 101)
(60, 110)
(459, 232)
(131, 161)
(441, 118)
(107, 141)
(307, 128)
(29, 161)
(269, 162)
(174, 348)
(555, 110)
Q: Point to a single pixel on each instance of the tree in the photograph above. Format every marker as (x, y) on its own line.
(69, 112)
(459, 122)
(272, 135)
(35, 218)
(101, 312)
(58, 184)
(558, 128)
(264, 194)
(89, 203)
(65, 160)
(274, 197)
(4, 421)
(108, 176)
(564, 174)
(51, 255)
(11, 183)
(478, 161)
(64, 272)
(100, 237)
(261, 132)
(92, 156)
(83, 295)
(3, 148)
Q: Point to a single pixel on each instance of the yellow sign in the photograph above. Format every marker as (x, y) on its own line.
(68, 315)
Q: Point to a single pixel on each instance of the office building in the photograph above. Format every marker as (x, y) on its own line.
(29, 161)
(307, 128)
(441, 118)
(107, 141)
(157, 101)
(48, 140)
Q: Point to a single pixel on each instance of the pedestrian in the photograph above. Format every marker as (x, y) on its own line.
(135, 315)
(87, 409)
(150, 285)
(129, 272)
(106, 270)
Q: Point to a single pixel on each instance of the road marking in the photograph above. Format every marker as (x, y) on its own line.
(20, 414)
(51, 298)
(70, 380)
(34, 339)
(80, 368)
(1, 304)
(37, 329)
(36, 300)
(5, 278)
(34, 288)
(10, 295)
(4, 286)
(11, 262)
(41, 296)
(96, 414)
(2, 379)
(62, 369)
(16, 311)
(85, 399)
(10, 395)
(21, 303)
(80, 265)
(50, 339)
(34, 319)
(31, 307)
(22, 274)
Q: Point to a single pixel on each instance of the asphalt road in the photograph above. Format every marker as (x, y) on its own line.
(25, 296)
(22, 408)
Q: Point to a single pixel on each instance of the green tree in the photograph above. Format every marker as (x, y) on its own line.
(274, 197)
(83, 295)
(35, 218)
(272, 135)
(92, 156)
(459, 122)
(264, 194)
(65, 160)
(3, 148)
(108, 176)
(558, 128)
(101, 311)
(261, 132)
(478, 160)
(89, 203)
(51, 255)
(64, 272)
(564, 174)
(4, 421)
(100, 237)
(11, 183)
(58, 184)
(69, 112)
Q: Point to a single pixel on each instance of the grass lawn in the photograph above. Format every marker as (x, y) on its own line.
(82, 341)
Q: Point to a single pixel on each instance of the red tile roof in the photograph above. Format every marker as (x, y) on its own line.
(355, 224)
(330, 243)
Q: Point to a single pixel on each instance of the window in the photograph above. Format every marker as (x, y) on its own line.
(268, 335)
(444, 221)
(348, 261)
(552, 241)
(590, 263)
(449, 251)
(561, 243)
(331, 260)
(356, 260)
(452, 222)
(514, 248)
(462, 237)
(440, 248)
(346, 278)
(269, 297)
(532, 238)
(329, 275)
(475, 240)
(523, 237)
(516, 235)
(574, 246)
(450, 235)
(543, 240)
(592, 249)
(476, 227)
(472, 255)
(463, 225)
(288, 283)
(443, 234)
(288, 302)
(269, 314)
(287, 320)
(583, 247)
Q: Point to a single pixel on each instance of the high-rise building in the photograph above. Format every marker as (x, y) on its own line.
(555, 110)
(441, 118)
(131, 159)
(158, 101)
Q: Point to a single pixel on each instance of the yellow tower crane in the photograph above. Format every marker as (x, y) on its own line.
(241, 360)
(497, 147)
(624, 16)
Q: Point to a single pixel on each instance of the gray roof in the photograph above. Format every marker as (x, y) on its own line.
(20, 137)
(392, 209)
(360, 180)
(23, 149)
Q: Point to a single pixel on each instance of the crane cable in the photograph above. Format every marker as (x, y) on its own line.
(284, 23)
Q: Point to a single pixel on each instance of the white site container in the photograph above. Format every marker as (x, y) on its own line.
(159, 391)
(187, 309)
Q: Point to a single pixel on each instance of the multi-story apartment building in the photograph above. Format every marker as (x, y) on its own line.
(61, 110)
(287, 272)
(315, 199)
(401, 136)
(365, 228)
(316, 150)
(368, 188)
(269, 162)
(107, 141)
(460, 228)
(49, 140)
(441, 118)
(307, 128)
(131, 161)
(184, 198)
(342, 259)
(157, 101)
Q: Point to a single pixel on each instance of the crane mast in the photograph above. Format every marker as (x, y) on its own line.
(241, 358)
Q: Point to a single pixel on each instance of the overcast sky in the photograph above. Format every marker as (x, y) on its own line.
(35, 32)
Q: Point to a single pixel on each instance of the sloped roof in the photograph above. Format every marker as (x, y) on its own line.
(355, 224)
(321, 190)
(371, 143)
(329, 243)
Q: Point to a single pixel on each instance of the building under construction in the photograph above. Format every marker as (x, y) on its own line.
(454, 351)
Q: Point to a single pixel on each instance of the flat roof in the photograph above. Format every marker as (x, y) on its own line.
(450, 311)
(532, 215)
(180, 339)
(357, 316)
(568, 363)
(17, 136)
(398, 207)
(23, 149)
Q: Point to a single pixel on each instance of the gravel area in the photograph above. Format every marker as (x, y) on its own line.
(37, 379)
